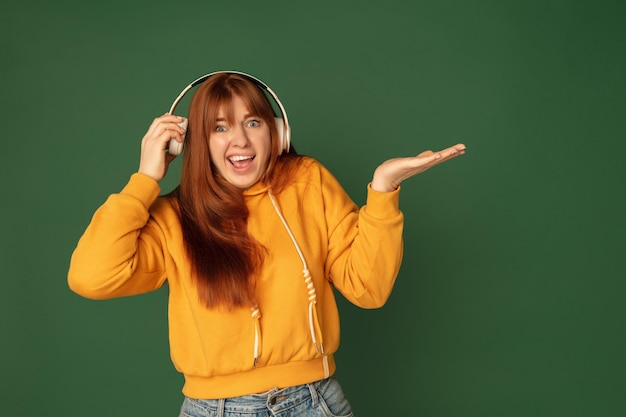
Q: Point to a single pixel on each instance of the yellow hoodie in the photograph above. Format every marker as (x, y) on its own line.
(134, 244)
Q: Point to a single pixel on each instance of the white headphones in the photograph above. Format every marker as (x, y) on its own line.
(282, 123)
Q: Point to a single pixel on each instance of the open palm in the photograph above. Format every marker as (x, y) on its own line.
(392, 172)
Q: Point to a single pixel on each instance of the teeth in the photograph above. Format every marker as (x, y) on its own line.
(238, 158)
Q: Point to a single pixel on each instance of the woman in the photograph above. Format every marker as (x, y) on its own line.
(252, 244)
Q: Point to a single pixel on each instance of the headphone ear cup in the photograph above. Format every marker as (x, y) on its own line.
(176, 148)
(283, 134)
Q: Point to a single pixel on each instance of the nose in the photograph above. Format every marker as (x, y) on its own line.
(239, 137)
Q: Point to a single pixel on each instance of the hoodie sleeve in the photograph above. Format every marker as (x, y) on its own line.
(365, 246)
(121, 251)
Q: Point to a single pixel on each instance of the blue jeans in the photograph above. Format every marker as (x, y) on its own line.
(320, 399)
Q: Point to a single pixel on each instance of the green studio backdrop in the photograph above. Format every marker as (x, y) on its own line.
(510, 297)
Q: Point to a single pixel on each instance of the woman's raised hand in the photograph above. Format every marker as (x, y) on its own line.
(391, 173)
(154, 159)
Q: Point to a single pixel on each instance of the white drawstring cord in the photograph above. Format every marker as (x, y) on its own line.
(256, 315)
(308, 280)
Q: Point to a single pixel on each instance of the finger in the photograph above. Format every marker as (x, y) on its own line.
(166, 119)
(172, 118)
(454, 150)
(426, 158)
(425, 154)
(163, 140)
(164, 131)
(449, 153)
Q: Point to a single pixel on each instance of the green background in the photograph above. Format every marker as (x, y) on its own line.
(510, 298)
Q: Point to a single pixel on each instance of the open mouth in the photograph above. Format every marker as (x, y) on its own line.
(240, 161)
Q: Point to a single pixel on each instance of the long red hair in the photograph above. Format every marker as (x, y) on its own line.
(225, 259)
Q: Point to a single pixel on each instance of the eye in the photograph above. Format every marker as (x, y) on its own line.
(220, 128)
(253, 123)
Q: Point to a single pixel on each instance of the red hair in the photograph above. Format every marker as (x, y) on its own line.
(225, 259)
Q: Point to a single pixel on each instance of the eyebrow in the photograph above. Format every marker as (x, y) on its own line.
(247, 116)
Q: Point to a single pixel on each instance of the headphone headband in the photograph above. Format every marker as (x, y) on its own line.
(284, 130)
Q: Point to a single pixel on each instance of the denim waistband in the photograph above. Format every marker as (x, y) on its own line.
(275, 399)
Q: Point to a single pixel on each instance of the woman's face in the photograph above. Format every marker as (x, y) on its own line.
(240, 152)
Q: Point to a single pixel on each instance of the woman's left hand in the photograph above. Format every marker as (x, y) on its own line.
(391, 173)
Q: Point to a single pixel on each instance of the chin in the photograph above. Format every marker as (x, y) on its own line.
(244, 185)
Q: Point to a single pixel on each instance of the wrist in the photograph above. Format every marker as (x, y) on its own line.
(150, 173)
(382, 186)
